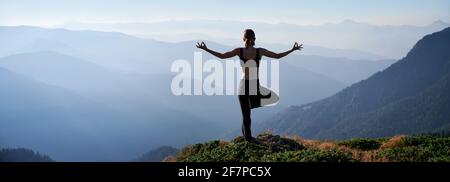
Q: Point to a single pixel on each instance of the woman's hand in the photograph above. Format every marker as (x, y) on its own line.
(297, 47)
(202, 45)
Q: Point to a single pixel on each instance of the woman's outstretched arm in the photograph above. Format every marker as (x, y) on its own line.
(271, 54)
(226, 55)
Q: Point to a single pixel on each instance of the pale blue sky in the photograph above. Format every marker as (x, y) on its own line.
(381, 12)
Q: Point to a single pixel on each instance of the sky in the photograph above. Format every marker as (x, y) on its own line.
(301, 12)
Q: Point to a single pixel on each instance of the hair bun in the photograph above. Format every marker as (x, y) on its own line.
(249, 37)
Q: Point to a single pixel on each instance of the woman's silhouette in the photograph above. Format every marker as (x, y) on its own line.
(250, 92)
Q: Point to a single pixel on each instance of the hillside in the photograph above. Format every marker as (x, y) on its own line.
(157, 155)
(273, 148)
(411, 96)
(344, 70)
(22, 155)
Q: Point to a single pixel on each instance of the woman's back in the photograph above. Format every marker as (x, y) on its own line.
(250, 59)
(248, 53)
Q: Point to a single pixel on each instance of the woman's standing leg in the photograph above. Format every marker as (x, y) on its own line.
(244, 100)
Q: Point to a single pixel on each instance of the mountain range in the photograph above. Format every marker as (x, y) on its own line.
(411, 96)
(66, 92)
(385, 41)
(131, 66)
(67, 125)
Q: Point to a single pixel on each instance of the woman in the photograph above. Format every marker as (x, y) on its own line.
(251, 94)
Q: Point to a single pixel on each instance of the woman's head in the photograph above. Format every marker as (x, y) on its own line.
(249, 38)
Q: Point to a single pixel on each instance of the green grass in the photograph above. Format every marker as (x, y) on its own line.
(310, 155)
(273, 148)
(363, 143)
(422, 148)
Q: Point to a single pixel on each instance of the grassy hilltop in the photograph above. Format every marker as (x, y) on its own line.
(274, 148)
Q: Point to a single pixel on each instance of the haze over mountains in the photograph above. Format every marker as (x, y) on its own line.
(357, 39)
(65, 93)
(411, 96)
(68, 125)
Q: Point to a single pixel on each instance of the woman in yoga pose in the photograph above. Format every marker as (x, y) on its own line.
(251, 94)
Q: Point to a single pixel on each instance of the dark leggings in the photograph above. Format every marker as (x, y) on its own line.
(244, 100)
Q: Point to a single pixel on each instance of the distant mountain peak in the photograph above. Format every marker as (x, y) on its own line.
(439, 23)
(349, 21)
(352, 22)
